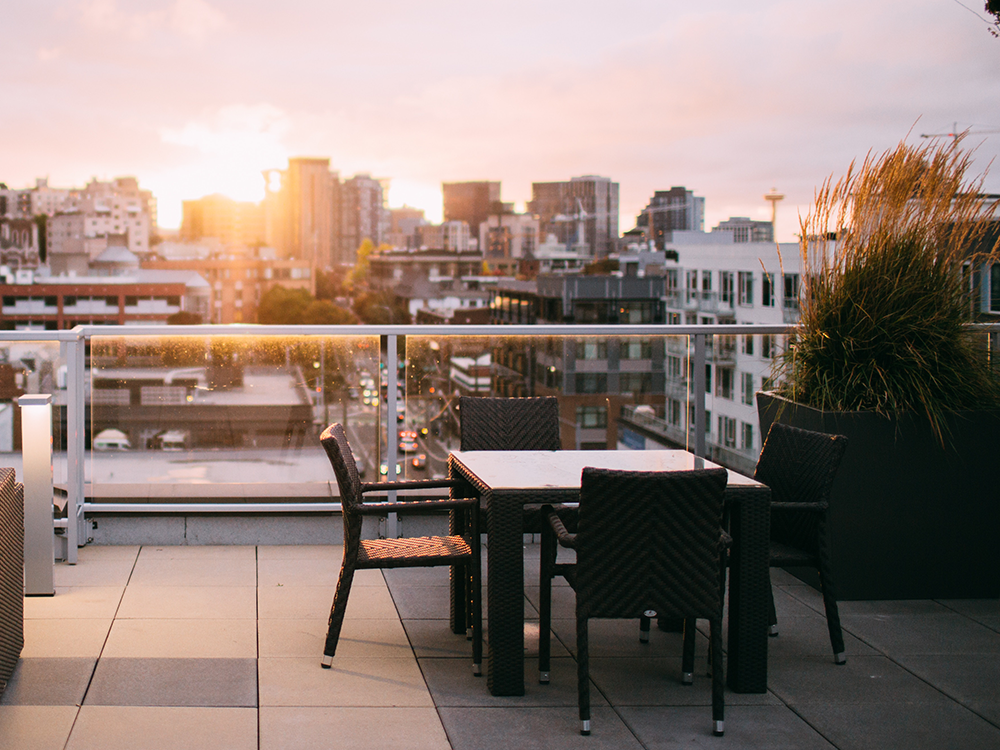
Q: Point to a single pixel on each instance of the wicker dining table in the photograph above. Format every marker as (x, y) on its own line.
(507, 480)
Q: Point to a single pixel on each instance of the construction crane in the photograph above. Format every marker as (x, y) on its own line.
(955, 134)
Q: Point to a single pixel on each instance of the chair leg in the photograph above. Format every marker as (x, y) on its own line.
(583, 672)
(833, 618)
(337, 611)
(548, 554)
(687, 663)
(773, 615)
(644, 627)
(718, 680)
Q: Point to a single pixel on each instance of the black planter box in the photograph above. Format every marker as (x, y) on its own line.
(909, 519)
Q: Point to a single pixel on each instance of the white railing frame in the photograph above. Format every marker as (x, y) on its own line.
(73, 345)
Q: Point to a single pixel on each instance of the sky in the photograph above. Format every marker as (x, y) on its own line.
(728, 98)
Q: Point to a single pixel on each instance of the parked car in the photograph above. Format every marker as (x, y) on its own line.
(408, 446)
(419, 461)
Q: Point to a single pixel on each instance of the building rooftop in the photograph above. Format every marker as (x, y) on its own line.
(219, 646)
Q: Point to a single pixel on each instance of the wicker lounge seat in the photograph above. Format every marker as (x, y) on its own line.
(799, 466)
(646, 541)
(360, 554)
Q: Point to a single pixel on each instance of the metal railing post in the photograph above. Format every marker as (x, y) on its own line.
(699, 394)
(391, 443)
(75, 439)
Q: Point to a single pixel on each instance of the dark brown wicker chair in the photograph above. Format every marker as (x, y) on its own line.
(512, 424)
(360, 554)
(799, 466)
(646, 541)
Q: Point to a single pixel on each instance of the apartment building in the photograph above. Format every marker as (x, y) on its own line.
(594, 376)
(236, 282)
(581, 212)
(233, 223)
(471, 202)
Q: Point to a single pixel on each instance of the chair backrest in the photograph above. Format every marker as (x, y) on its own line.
(334, 441)
(509, 424)
(799, 465)
(649, 540)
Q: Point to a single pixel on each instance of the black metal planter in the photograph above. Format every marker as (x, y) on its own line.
(909, 519)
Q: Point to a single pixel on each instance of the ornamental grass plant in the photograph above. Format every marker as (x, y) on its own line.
(887, 253)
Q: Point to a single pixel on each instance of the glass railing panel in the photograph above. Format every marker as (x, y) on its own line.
(29, 368)
(167, 413)
(594, 378)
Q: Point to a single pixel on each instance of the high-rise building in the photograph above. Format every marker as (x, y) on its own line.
(471, 202)
(677, 209)
(581, 213)
(363, 215)
(745, 229)
(234, 223)
(301, 210)
(403, 223)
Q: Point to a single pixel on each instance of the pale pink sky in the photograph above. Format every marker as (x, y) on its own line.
(726, 98)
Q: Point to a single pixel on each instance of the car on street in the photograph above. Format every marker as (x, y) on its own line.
(419, 461)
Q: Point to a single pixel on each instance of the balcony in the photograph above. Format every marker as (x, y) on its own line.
(219, 647)
(204, 572)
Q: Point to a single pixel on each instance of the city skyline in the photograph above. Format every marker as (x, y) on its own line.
(195, 97)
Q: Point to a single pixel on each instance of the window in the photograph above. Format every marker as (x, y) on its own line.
(766, 292)
(635, 312)
(673, 367)
(671, 279)
(747, 443)
(706, 281)
(674, 412)
(746, 288)
(111, 301)
(51, 301)
(767, 345)
(995, 287)
(748, 344)
(727, 432)
(173, 301)
(637, 349)
(747, 388)
(726, 286)
(131, 301)
(591, 382)
(791, 298)
(673, 319)
(591, 349)
(692, 285)
(767, 384)
(635, 382)
(590, 312)
(724, 382)
(591, 417)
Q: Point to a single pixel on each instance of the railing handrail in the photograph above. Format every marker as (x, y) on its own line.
(74, 340)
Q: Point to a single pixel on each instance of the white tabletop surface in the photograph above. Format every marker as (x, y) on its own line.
(525, 470)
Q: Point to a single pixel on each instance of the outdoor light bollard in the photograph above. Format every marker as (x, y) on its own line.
(36, 457)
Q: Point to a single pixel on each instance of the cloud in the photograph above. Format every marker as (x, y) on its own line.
(194, 19)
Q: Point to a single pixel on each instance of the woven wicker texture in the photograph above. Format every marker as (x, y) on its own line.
(646, 541)
(649, 541)
(11, 574)
(504, 424)
(799, 466)
(510, 424)
(395, 553)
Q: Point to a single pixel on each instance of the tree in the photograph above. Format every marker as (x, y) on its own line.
(359, 274)
(322, 312)
(280, 306)
(184, 318)
(381, 308)
(330, 284)
(601, 267)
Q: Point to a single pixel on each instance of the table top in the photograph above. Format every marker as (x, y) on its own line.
(561, 470)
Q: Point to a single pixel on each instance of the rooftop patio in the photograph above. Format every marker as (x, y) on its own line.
(169, 647)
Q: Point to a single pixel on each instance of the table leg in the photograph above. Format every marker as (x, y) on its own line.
(749, 589)
(505, 598)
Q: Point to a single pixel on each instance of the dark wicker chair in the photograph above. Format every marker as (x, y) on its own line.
(799, 466)
(646, 541)
(512, 424)
(360, 554)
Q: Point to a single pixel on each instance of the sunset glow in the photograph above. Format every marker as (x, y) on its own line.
(195, 97)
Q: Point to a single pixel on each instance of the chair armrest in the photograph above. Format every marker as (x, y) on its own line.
(412, 484)
(380, 509)
(725, 540)
(810, 507)
(565, 538)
